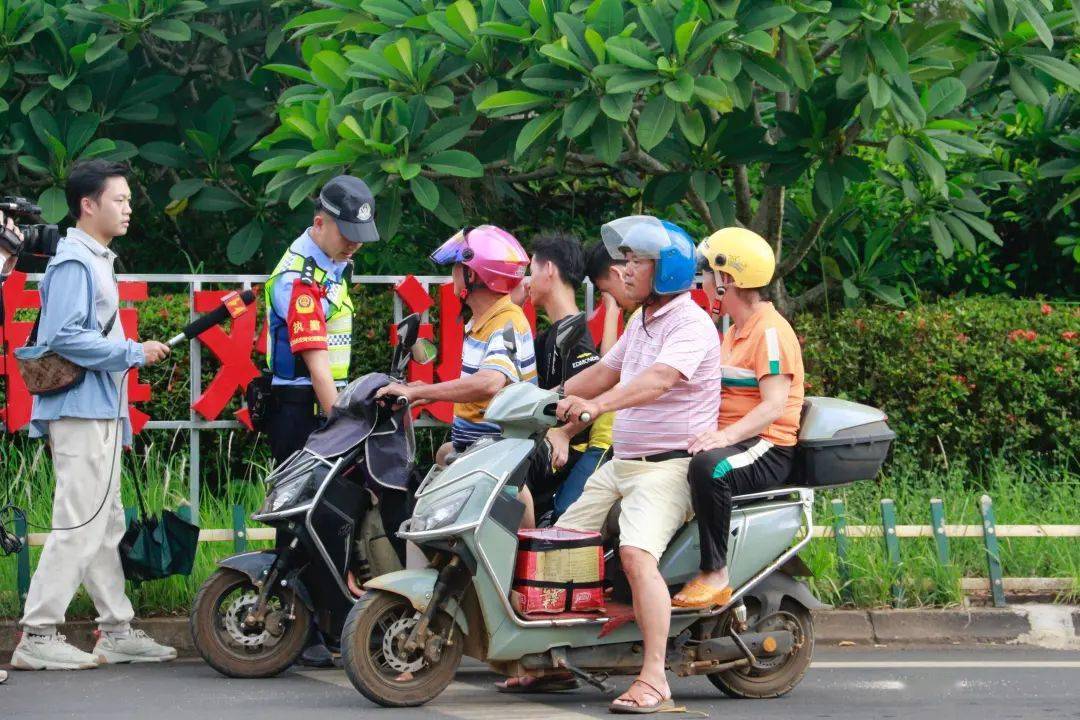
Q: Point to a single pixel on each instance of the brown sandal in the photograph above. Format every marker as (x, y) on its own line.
(638, 708)
(528, 684)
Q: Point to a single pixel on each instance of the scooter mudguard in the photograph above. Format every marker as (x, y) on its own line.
(256, 564)
(771, 591)
(416, 586)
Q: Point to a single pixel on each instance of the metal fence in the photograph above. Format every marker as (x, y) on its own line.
(194, 283)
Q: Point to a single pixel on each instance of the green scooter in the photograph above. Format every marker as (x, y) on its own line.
(404, 639)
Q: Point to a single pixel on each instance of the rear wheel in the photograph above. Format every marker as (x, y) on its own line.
(373, 653)
(778, 674)
(230, 645)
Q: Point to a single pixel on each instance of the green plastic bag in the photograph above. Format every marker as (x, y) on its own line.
(157, 547)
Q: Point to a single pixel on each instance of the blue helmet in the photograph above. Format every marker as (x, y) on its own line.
(660, 240)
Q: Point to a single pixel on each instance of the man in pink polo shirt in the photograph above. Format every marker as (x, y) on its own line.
(662, 380)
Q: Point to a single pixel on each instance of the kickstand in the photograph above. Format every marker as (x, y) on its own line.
(597, 681)
(745, 650)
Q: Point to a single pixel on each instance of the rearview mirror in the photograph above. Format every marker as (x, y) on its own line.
(570, 332)
(510, 339)
(408, 331)
(424, 351)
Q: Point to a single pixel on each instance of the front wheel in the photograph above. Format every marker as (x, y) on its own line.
(232, 646)
(373, 653)
(779, 674)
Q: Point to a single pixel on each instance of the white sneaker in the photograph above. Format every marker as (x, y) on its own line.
(134, 646)
(3, 676)
(50, 652)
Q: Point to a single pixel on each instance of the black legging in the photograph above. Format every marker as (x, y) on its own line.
(750, 466)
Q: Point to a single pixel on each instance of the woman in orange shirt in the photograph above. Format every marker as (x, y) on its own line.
(753, 447)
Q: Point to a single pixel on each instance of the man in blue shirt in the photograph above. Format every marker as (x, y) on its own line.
(85, 426)
(309, 314)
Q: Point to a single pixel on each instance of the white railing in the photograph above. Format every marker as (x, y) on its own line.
(196, 282)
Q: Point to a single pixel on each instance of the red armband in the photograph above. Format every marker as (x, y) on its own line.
(306, 320)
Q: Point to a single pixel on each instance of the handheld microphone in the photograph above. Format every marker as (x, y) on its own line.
(232, 305)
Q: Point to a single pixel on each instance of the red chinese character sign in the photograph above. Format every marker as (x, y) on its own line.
(129, 320)
(233, 347)
(451, 338)
(233, 350)
(16, 297)
(14, 334)
(417, 300)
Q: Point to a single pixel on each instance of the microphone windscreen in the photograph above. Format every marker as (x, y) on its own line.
(201, 324)
(216, 316)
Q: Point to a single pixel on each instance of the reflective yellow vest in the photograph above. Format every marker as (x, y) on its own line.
(279, 357)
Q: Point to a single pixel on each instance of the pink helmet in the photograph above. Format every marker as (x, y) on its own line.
(493, 254)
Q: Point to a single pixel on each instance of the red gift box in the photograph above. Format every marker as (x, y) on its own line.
(558, 570)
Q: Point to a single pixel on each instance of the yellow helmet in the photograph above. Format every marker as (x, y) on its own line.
(741, 253)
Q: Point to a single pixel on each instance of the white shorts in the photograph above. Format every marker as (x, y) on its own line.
(655, 502)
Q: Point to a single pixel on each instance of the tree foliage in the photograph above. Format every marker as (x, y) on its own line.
(713, 109)
(173, 86)
(863, 138)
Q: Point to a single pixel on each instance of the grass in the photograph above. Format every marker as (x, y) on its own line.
(163, 477)
(1024, 492)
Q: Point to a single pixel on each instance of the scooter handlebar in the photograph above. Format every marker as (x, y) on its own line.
(583, 417)
(395, 402)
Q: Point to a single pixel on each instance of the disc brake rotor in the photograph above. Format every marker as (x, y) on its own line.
(234, 621)
(394, 637)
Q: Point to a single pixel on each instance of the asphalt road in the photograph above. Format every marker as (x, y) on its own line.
(985, 683)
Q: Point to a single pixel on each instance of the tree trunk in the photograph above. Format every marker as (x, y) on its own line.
(780, 298)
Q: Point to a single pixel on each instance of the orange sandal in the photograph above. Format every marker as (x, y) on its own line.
(697, 594)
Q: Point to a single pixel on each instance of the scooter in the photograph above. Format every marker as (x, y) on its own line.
(404, 639)
(328, 502)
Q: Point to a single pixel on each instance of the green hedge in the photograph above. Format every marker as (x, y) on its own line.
(960, 379)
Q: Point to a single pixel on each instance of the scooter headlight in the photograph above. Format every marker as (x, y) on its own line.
(284, 495)
(441, 513)
(292, 490)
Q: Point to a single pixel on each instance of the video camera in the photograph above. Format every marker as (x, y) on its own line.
(37, 237)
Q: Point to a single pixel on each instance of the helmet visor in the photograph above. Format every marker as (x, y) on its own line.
(643, 235)
(703, 264)
(453, 250)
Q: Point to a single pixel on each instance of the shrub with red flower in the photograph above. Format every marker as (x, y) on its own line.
(1018, 334)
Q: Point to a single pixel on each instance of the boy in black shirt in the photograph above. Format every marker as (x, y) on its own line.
(555, 274)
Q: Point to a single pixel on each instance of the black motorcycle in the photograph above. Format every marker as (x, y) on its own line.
(331, 504)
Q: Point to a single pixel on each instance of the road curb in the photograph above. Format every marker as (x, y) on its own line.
(862, 627)
(980, 625)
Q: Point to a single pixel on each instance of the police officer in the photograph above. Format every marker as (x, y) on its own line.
(310, 327)
(310, 314)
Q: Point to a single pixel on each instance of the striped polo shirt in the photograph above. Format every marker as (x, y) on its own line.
(485, 349)
(764, 345)
(679, 335)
